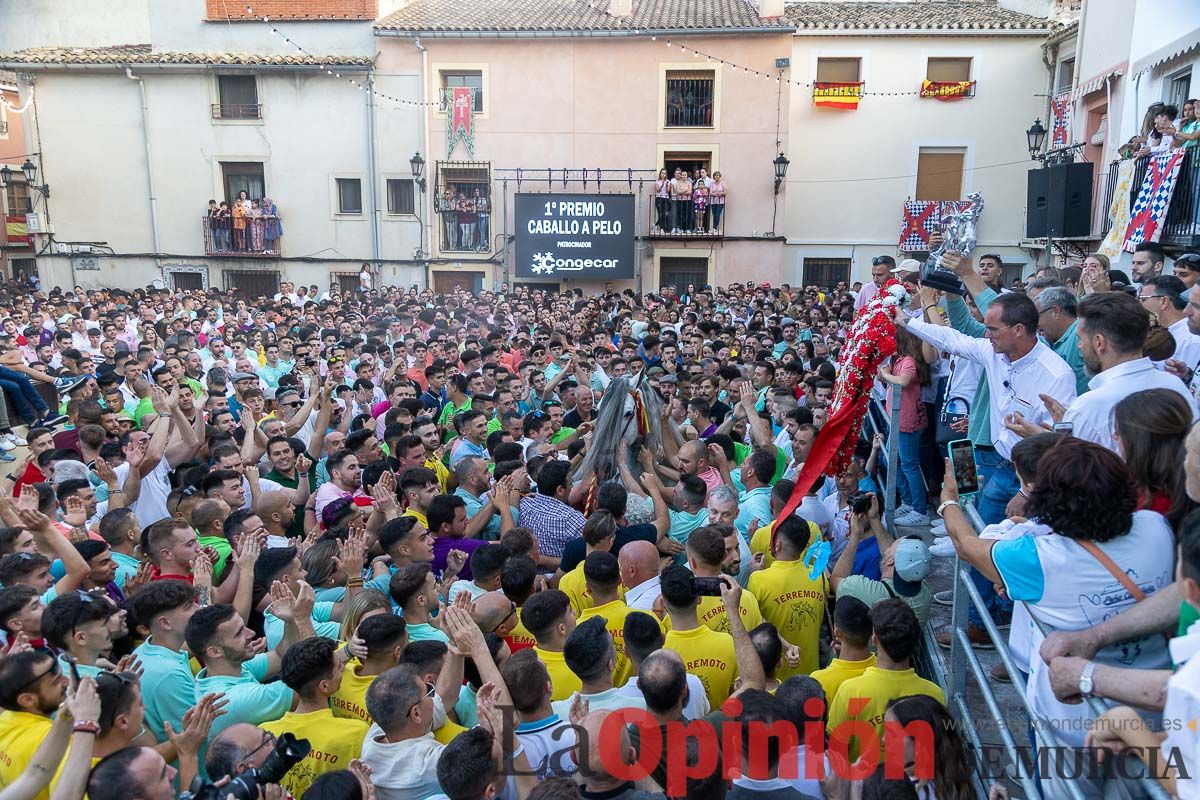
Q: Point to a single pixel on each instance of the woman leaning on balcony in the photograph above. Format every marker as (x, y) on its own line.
(240, 207)
(1189, 126)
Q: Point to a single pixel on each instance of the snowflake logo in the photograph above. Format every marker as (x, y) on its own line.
(543, 263)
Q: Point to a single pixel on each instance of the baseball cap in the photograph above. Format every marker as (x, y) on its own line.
(243, 376)
(907, 265)
(911, 567)
(787, 321)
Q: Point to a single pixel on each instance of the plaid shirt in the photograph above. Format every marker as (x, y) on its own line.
(554, 522)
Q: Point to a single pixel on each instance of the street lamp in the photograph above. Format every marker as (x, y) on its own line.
(30, 171)
(781, 166)
(417, 164)
(1036, 136)
(6, 173)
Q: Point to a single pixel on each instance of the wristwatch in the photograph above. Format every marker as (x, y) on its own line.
(1085, 679)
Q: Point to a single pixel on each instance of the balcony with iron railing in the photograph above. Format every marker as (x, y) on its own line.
(237, 111)
(682, 219)
(243, 237)
(1181, 227)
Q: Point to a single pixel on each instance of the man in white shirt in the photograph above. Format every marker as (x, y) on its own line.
(881, 267)
(1112, 331)
(638, 562)
(1162, 296)
(1019, 369)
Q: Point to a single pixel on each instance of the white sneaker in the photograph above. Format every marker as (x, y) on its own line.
(938, 528)
(914, 520)
(942, 549)
(903, 510)
(17, 440)
(6, 445)
(905, 519)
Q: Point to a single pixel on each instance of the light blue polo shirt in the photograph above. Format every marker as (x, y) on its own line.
(321, 621)
(127, 567)
(422, 631)
(168, 687)
(248, 699)
(682, 525)
(491, 531)
(752, 505)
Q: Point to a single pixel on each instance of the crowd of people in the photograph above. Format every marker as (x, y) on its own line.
(403, 545)
(245, 226)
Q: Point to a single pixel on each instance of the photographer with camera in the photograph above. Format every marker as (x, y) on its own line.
(903, 567)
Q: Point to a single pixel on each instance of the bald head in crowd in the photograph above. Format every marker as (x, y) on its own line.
(493, 611)
(638, 562)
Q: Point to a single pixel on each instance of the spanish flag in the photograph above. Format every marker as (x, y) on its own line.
(837, 95)
(17, 229)
(947, 90)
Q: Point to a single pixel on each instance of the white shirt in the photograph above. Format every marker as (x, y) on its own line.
(697, 706)
(607, 700)
(1183, 704)
(547, 744)
(1187, 344)
(1091, 412)
(642, 596)
(1031, 569)
(866, 294)
(1014, 385)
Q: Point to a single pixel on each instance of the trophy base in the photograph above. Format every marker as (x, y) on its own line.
(942, 280)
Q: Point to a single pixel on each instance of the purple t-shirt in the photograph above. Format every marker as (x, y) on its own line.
(442, 546)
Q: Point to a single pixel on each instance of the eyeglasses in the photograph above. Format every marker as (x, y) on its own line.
(1149, 296)
(511, 612)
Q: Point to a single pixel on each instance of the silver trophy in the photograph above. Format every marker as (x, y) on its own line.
(958, 236)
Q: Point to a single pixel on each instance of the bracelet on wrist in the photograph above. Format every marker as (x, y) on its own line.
(86, 726)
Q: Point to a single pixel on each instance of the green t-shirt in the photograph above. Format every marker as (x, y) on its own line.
(145, 406)
(224, 551)
(562, 434)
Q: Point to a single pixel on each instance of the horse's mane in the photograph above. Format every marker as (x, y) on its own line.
(608, 445)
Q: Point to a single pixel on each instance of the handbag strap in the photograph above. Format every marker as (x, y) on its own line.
(1111, 566)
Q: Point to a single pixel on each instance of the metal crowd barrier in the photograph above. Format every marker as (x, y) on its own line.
(952, 677)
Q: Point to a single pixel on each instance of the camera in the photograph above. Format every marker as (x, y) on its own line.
(289, 751)
(860, 502)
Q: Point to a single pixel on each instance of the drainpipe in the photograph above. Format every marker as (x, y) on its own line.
(425, 147)
(149, 164)
(372, 163)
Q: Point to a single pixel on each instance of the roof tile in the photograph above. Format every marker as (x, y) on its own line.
(907, 15)
(143, 54)
(575, 15)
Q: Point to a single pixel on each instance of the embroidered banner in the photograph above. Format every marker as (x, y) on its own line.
(1154, 198)
(17, 230)
(947, 90)
(837, 95)
(1060, 120)
(920, 218)
(460, 119)
(1118, 210)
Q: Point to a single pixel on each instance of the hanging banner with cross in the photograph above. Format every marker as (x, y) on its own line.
(920, 219)
(460, 119)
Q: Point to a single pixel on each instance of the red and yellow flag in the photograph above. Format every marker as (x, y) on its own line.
(947, 90)
(17, 229)
(837, 95)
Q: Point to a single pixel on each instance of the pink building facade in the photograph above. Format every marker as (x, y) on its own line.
(15, 199)
(552, 112)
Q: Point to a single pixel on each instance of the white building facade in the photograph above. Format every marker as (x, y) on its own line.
(135, 139)
(851, 171)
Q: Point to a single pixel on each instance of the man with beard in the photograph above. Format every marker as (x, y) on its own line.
(344, 478)
(32, 687)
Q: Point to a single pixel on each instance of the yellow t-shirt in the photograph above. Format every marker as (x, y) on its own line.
(564, 682)
(20, 735)
(795, 604)
(520, 637)
(614, 615)
(710, 657)
(711, 612)
(838, 672)
(335, 743)
(447, 732)
(760, 542)
(575, 587)
(866, 698)
(439, 469)
(350, 700)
